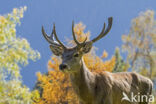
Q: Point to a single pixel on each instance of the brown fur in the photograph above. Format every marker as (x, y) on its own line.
(106, 87)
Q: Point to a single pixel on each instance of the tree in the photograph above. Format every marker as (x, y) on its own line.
(140, 44)
(55, 86)
(14, 52)
(120, 64)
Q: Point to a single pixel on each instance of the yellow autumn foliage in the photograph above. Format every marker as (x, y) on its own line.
(56, 85)
(15, 52)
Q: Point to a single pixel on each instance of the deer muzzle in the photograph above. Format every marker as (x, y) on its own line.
(63, 67)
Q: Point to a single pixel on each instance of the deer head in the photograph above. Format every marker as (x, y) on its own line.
(71, 57)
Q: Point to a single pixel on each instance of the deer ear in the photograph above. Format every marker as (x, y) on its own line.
(87, 47)
(56, 50)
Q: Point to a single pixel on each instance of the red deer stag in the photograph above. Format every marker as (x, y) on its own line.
(96, 88)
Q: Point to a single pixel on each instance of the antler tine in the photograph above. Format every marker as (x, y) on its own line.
(84, 40)
(104, 32)
(101, 34)
(54, 32)
(74, 37)
(49, 39)
(52, 35)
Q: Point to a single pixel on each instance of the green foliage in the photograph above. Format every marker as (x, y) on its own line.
(120, 64)
(14, 52)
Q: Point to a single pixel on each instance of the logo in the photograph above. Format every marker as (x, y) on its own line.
(125, 97)
(137, 98)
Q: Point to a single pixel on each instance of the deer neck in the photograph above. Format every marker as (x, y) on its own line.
(82, 80)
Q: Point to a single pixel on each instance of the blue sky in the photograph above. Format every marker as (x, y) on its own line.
(93, 13)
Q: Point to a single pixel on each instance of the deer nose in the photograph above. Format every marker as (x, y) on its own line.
(63, 66)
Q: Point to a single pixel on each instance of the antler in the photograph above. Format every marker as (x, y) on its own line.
(54, 31)
(104, 32)
(74, 37)
(50, 38)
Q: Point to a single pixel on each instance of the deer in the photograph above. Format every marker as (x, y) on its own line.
(96, 88)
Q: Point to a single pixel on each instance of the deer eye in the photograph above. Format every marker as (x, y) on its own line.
(76, 55)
